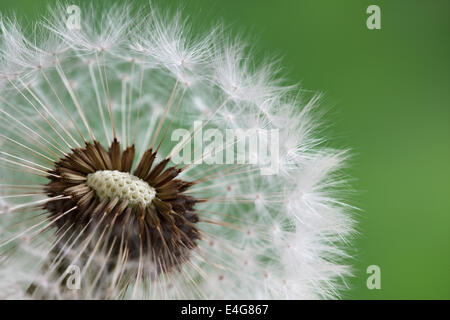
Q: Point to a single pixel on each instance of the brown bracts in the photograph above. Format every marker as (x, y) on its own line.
(141, 216)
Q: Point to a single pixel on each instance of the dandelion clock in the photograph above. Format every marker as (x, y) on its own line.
(141, 160)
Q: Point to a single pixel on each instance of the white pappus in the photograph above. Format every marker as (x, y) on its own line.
(80, 105)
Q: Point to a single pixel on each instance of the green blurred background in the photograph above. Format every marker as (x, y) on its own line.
(388, 92)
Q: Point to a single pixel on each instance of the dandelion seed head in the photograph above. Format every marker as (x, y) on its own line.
(88, 118)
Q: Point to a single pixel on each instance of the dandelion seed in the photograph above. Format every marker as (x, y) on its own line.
(90, 182)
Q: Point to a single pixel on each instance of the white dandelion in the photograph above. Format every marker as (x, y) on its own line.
(117, 180)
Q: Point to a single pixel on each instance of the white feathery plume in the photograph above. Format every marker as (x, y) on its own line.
(138, 77)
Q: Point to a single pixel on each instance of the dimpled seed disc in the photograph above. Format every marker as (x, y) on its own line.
(109, 184)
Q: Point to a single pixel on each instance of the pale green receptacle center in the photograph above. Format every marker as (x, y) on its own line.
(113, 183)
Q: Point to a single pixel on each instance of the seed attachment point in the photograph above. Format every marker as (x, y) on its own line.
(113, 183)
